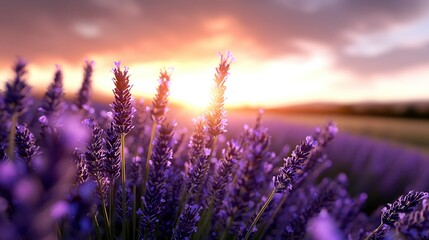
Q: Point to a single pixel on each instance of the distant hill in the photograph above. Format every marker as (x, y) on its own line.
(418, 110)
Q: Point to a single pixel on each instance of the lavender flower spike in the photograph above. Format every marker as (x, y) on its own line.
(231, 155)
(216, 115)
(289, 173)
(391, 214)
(404, 204)
(95, 154)
(198, 141)
(84, 91)
(26, 147)
(160, 101)
(112, 164)
(54, 96)
(16, 96)
(122, 106)
(187, 222)
(156, 189)
(414, 225)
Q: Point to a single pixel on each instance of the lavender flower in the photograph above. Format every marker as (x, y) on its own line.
(188, 222)
(26, 147)
(231, 156)
(414, 225)
(404, 204)
(156, 190)
(160, 101)
(390, 214)
(134, 170)
(83, 95)
(197, 176)
(54, 96)
(17, 94)
(197, 142)
(215, 116)
(245, 193)
(289, 173)
(112, 163)
(122, 106)
(82, 170)
(95, 154)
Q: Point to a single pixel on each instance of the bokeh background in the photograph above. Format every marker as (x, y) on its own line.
(362, 63)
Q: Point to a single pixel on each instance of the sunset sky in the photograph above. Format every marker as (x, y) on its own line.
(286, 51)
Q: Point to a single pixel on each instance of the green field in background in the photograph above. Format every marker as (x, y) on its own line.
(407, 132)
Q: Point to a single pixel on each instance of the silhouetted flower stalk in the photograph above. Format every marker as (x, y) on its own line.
(53, 99)
(157, 114)
(83, 96)
(404, 204)
(123, 114)
(16, 101)
(215, 116)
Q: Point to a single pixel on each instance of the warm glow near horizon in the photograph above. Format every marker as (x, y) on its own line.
(276, 82)
(285, 53)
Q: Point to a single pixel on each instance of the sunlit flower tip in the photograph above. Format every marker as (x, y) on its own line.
(117, 64)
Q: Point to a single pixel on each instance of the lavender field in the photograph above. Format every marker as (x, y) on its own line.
(76, 169)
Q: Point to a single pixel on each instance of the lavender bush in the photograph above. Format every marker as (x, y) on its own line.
(79, 174)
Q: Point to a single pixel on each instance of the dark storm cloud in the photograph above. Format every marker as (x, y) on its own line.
(69, 30)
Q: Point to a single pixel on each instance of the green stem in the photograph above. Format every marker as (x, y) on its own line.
(124, 192)
(59, 234)
(204, 226)
(12, 133)
(104, 210)
(249, 231)
(97, 228)
(225, 231)
(375, 231)
(272, 216)
(149, 155)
